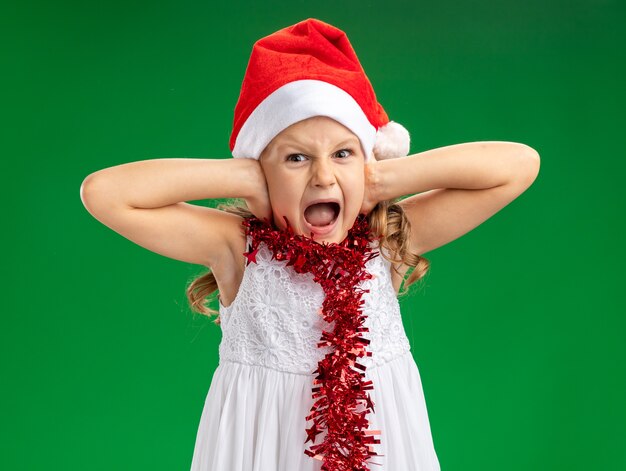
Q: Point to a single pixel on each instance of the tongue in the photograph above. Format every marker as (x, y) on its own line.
(320, 214)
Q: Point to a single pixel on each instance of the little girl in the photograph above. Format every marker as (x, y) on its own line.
(315, 369)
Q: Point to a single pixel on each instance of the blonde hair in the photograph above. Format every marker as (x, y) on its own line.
(387, 220)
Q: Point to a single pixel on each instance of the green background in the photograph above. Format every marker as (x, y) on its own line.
(519, 330)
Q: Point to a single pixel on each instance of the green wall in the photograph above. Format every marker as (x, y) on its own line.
(517, 331)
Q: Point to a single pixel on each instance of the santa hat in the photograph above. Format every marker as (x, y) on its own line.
(305, 70)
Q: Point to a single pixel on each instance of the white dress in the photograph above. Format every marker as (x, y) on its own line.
(254, 416)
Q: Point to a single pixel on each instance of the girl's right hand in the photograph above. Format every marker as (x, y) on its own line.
(259, 203)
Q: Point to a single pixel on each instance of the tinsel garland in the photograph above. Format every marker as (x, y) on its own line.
(338, 389)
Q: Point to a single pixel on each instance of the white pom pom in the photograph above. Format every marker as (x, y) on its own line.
(392, 140)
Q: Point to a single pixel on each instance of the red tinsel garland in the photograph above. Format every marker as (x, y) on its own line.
(339, 389)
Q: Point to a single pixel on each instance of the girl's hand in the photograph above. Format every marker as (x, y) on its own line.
(259, 202)
(370, 198)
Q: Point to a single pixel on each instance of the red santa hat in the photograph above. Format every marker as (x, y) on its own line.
(305, 70)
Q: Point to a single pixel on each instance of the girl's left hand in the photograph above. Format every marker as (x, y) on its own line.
(370, 199)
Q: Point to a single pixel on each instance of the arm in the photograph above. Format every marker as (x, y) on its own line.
(145, 202)
(459, 186)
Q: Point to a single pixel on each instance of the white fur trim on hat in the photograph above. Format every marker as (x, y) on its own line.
(295, 101)
(392, 140)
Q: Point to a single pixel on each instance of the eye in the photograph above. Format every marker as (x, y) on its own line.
(294, 155)
(349, 151)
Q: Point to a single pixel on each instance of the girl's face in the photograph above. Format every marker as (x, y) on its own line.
(315, 159)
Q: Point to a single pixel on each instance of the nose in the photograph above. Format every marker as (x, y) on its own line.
(323, 174)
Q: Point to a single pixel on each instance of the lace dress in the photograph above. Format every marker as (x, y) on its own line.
(254, 416)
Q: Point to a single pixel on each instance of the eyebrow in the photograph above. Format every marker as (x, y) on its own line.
(290, 142)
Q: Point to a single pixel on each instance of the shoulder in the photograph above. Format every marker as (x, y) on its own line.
(397, 269)
(228, 267)
(233, 235)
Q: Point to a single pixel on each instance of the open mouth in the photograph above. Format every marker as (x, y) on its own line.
(322, 215)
